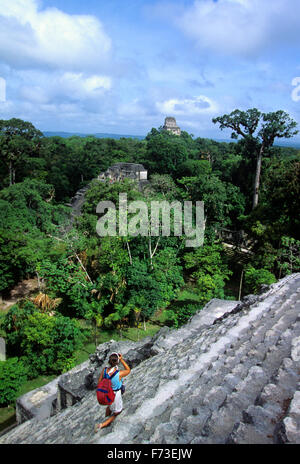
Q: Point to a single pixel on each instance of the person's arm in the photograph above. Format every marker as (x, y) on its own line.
(101, 375)
(126, 369)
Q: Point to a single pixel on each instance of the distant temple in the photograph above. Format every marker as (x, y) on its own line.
(121, 171)
(170, 125)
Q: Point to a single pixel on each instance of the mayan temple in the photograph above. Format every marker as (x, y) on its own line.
(230, 375)
(171, 125)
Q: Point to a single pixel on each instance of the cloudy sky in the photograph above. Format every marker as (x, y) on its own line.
(122, 66)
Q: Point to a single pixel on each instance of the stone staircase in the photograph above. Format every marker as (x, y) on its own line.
(235, 380)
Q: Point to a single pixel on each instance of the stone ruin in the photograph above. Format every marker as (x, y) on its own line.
(120, 171)
(170, 125)
(230, 375)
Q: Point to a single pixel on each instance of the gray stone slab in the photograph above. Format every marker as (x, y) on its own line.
(40, 403)
(184, 391)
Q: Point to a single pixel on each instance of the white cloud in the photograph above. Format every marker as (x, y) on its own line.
(78, 86)
(42, 88)
(32, 37)
(196, 106)
(34, 94)
(241, 27)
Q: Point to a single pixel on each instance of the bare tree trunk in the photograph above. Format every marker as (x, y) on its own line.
(80, 262)
(257, 177)
(241, 282)
(156, 247)
(150, 249)
(96, 333)
(129, 253)
(39, 281)
(10, 173)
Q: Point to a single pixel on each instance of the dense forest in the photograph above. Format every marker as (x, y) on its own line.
(88, 284)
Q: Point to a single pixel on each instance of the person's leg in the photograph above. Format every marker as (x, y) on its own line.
(107, 422)
(107, 413)
(117, 405)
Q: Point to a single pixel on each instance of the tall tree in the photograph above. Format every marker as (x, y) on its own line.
(165, 152)
(17, 137)
(260, 130)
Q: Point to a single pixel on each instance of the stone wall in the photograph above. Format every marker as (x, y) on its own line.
(39, 403)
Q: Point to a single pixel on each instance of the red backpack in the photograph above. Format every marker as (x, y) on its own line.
(105, 393)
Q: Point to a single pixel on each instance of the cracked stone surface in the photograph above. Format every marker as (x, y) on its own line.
(230, 375)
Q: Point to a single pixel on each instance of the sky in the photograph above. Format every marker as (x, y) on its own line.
(121, 67)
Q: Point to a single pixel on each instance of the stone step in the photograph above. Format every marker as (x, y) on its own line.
(206, 384)
(260, 418)
(214, 428)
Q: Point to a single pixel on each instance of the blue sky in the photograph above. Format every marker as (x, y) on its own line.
(122, 66)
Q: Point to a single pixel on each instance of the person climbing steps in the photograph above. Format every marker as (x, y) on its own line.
(115, 382)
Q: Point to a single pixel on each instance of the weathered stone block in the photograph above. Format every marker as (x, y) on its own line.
(296, 349)
(215, 398)
(165, 393)
(292, 430)
(40, 403)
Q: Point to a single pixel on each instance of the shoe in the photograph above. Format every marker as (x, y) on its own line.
(97, 428)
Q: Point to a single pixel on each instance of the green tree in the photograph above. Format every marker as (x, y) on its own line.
(13, 374)
(255, 278)
(18, 139)
(195, 168)
(179, 314)
(118, 317)
(260, 130)
(47, 344)
(144, 291)
(94, 314)
(13, 325)
(209, 269)
(165, 152)
(11, 263)
(223, 201)
(289, 256)
(27, 220)
(67, 280)
(280, 198)
(163, 184)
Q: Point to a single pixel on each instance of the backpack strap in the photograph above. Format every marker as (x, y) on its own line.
(107, 376)
(114, 373)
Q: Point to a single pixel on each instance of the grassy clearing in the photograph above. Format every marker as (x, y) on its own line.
(188, 295)
(36, 383)
(7, 417)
